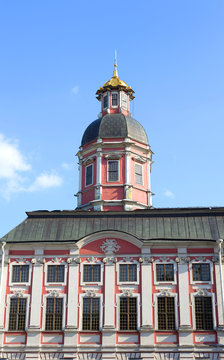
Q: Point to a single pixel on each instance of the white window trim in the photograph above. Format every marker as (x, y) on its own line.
(115, 106)
(118, 168)
(91, 283)
(137, 163)
(118, 296)
(11, 283)
(156, 310)
(27, 296)
(157, 262)
(191, 272)
(96, 295)
(104, 96)
(60, 295)
(51, 262)
(86, 174)
(123, 262)
(212, 295)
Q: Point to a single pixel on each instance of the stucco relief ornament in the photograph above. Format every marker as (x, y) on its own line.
(54, 293)
(165, 292)
(146, 260)
(202, 292)
(90, 293)
(127, 292)
(110, 246)
(200, 258)
(164, 258)
(18, 293)
(21, 261)
(56, 260)
(128, 259)
(35, 261)
(110, 260)
(91, 259)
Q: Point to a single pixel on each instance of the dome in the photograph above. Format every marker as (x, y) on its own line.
(114, 126)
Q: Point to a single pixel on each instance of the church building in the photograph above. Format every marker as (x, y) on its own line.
(116, 278)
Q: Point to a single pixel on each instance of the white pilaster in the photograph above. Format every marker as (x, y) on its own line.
(35, 315)
(149, 182)
(3, 291)
(219, 295)
(109, 300)
(72, 306)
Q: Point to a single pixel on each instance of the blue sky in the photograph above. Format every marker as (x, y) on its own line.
(54, 56)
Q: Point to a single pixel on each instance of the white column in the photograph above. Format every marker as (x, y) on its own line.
(109, 339)
(71, 328)
(149, 182)
(185, 331)
(35, 311)
(147, 336)
(98, 166)
(79, 198)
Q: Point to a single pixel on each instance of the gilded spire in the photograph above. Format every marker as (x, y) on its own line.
(115, 65)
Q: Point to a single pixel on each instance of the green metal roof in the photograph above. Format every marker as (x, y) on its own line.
(195, 224)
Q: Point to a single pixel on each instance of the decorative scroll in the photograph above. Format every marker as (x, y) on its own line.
(110, 246)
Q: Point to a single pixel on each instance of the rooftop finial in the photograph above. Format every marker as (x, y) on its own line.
(115, 65)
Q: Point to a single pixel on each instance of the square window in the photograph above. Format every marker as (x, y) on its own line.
(89, 175)
(92, 273)
(138, 174)
(112, 170)
(128, 272)
(164, 272)
(20, 273)
(55, 273)
(114, 98)
(201, 272)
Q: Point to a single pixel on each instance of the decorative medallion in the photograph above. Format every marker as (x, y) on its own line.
(18, 293)
(127, 292)
(54, 293)
(110, 246)
(90, 293)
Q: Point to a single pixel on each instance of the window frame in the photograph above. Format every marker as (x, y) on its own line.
(212, 295)
(15, 263)
(114, 106)
(91, 283)
(194, 261)
(118, 171)
(46, 283)
(141, 165)
(60, 295)
(9, 297)
(158, 262)
(123, 262)
(156, 296)
(86, 166)
(118, 296)
(85, 295)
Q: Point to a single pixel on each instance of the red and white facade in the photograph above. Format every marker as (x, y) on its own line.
(108, 293)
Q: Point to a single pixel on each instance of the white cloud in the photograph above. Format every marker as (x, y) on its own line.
(45, 181)
(67, 166)
(169, 194)
(13, 165)
(75, 89)
(12, 162)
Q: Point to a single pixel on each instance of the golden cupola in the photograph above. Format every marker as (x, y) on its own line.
(115, 83)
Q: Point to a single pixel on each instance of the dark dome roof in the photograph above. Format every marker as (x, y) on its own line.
(114, 126)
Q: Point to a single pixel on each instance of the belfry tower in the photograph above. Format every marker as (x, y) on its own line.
(114, 157)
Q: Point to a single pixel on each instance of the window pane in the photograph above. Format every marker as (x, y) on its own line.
(112, 170)
(55, 273)
(92, 273)
(17, 314)
(114, 99)
(164, 272)
(203, 313)
(128, 272)
(89, 175)
(201, 272)
(91, 313)
(105, 101)
(138, 174)
(20, 273)
(54, 311)
(128, 313)
(166, 313)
